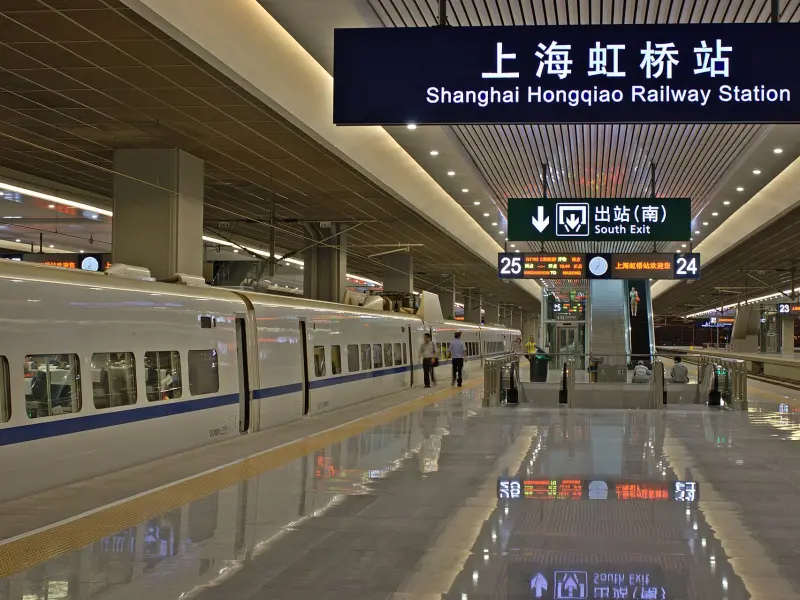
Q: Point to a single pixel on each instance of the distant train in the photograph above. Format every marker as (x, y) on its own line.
(99, 372)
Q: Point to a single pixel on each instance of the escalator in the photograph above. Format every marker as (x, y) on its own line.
(641, 325)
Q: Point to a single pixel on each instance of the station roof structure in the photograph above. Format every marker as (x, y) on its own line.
(246, 86)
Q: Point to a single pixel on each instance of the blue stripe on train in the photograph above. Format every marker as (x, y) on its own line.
(47, 429)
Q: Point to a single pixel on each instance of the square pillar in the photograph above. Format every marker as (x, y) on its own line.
(787, 334)
(325, 272)
(447, 300)
(398, 273)
(158, 211)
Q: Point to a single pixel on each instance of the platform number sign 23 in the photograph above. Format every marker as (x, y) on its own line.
(509, 266)
(687, 266)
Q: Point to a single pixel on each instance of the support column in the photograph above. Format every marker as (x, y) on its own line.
(447, 300)
(787, 334)
(398, 273)
(325, 273)
(473, 302)
(158, 211)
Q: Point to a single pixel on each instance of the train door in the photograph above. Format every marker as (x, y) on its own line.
(242, 355)
(304, 360)
(410, 357)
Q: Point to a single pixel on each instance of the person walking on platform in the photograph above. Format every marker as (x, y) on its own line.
(634, 302)
(530, 347)
(427, 353)
(457, 354)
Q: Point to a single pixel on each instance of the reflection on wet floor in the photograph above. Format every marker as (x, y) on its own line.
(456, 501)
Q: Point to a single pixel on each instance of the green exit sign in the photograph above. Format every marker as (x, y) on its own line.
(599, 219)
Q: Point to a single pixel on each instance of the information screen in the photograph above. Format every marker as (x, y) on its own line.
(598, 266)
(545, 488)
(786, 308)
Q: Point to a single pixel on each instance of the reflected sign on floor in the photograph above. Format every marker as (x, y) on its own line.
(586, 582)
(665, 73)
(596, 489)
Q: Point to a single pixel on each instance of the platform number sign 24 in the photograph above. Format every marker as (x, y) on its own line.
(687, 266)
(509, 266)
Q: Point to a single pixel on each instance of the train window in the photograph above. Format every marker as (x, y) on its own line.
(52, 384)
(203, 372)
(398, 355)
(319, 361)
(405, 354)
(387, 355)
(113, 379)
(336, 360)
(366, 356)
(377, 357)
(352, 358)
(5, 391)
(163, 375)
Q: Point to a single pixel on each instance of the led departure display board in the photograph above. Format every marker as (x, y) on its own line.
(660, 73)
(546, 488)
(598, 266)
(786, 308)
(599, 219)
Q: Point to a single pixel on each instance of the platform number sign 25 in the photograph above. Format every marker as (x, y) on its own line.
(687, 266)
(509, 266)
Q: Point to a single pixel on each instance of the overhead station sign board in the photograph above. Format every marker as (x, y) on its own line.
(786, 308)
(544, 488)
(598, 266)
(599, 219)
(670, 73)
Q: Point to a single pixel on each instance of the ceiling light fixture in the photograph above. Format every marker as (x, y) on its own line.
(52, 246)
(18, 241)
(697, 233)
(477, 202)
(51, 206)
(715, 214)
(411, 126)
(517, 251)
(726, 202)
(485, 214)
(756, 171)
(434, 153)
(465, 190)
(705, 223)
(513, 245)
(778, 150)
(82, 251)
(500, 232)
(740, 189)
(451, 173)
(494, 224)
(683, 245)
(8, 187)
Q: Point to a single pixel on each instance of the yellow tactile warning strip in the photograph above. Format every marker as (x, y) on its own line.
(24, 552)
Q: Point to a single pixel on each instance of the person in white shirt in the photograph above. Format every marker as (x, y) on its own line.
(641, 374)
(679, 373)
(457, 354)
(427, 354)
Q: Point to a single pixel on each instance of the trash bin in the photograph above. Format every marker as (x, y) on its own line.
(539, 365)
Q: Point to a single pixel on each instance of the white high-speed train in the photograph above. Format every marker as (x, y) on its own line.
(104, 371)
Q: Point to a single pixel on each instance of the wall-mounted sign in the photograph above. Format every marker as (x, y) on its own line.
(675, 73)
(544, 488)
(599, 219)
(786, 308)
(598, 266)
(84, 262)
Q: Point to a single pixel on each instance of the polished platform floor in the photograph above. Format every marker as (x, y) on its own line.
(455, 501)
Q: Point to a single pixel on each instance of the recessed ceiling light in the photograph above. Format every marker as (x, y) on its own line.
(434, 153)
(679, 251)
(705, 223)
(94, 216)
(500, 232)
(412, 126)
(683, 245)
(82, 251)
(513, 245)
(485, 214)
(477, 202)
(236, 251)
(17, 241)
(52, 246)
(756, 171)
(516, 250)
(778, 150)
(697, 233)
(726, 202)
(51, 206)
(740, 189)
(451, 173)
(715, 214)
(465, 190)
(494, 224)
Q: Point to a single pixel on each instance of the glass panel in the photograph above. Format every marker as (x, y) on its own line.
(366, 356)
(352, 358)
(398, 358)
(5, 391)
(387, 355)
(113, 379)
(163, 375)
(203, 372)
(377, 357)
(405, 354)
(52, 384)
(336, 360)
(319, 361)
